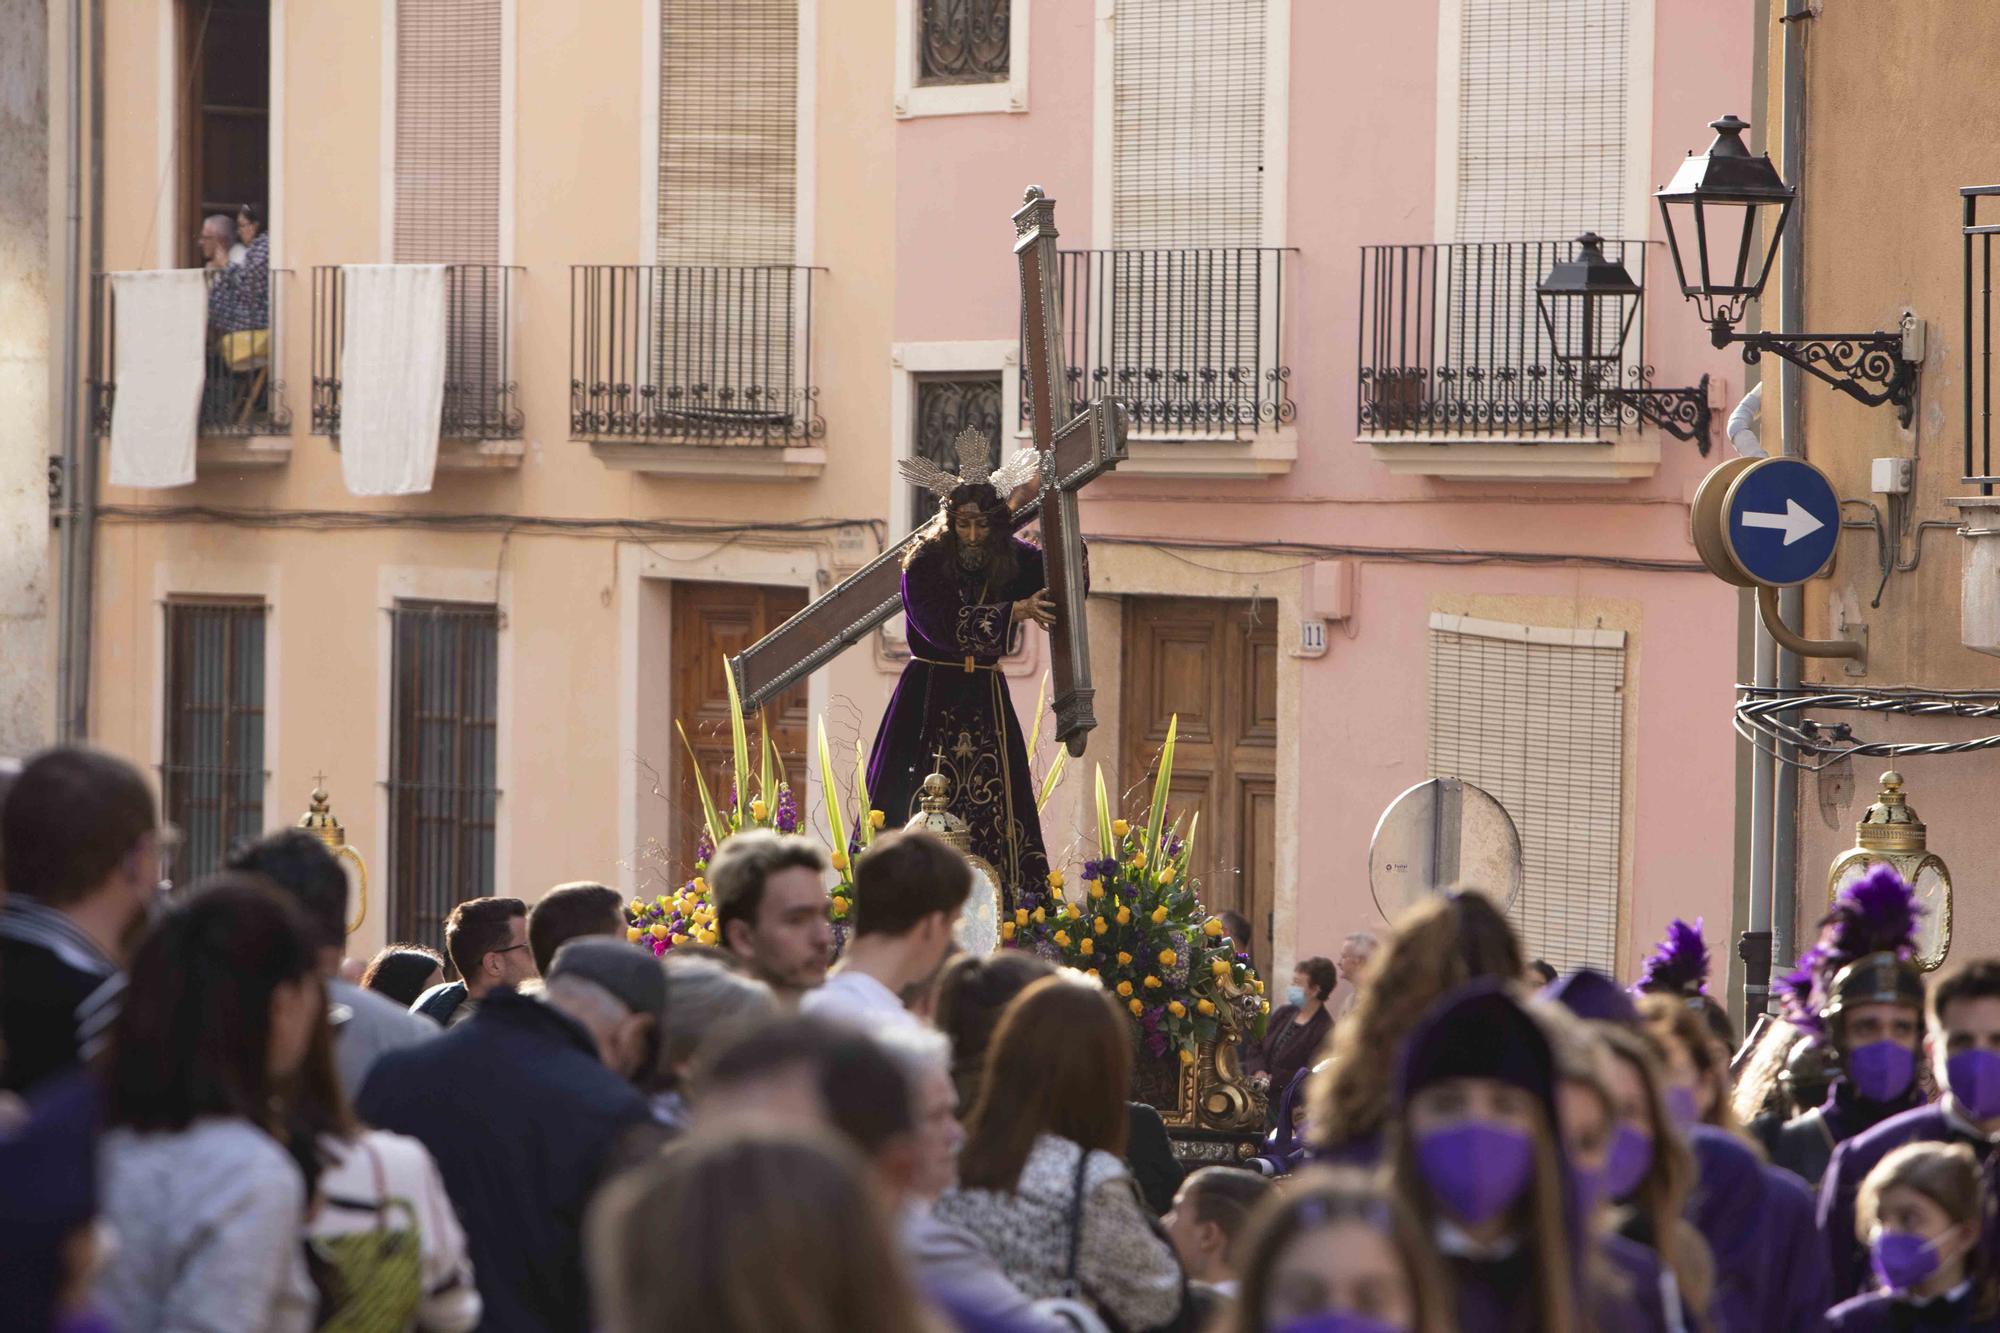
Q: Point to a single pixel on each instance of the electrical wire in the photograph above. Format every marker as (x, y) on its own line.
(1762, 717)
(335, 520)
(1410, 554)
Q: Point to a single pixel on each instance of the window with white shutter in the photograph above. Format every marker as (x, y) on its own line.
(1187, 117)
(1542, 118)
(1536, 717)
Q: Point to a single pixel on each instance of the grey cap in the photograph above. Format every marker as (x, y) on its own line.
(626, 970)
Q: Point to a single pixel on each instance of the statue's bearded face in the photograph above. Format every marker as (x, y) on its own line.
(969, 525)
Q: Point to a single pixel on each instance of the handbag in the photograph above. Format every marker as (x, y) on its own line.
(378, 1282)
(1188, 1318)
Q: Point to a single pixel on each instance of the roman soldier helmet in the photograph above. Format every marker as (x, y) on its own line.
(1879, 978)
(1678, 966)
(1866, 952)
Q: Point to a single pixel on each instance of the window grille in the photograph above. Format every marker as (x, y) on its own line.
(946, 405)
(962, 41)
(1536, 717)
(1542, 118)
(1188, 123)
(213, 766)
(442, 793)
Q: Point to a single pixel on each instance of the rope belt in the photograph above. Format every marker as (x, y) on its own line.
(968, 665)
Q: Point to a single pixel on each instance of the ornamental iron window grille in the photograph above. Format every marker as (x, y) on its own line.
(481, 395)
(243, 389)
(1190, 341)
(1453, 343)
(962, 41)
(212, 770)
(946, 405)
(693, 354)
(443, 735)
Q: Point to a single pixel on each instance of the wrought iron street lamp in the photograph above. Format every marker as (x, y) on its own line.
(1588, 304)
(1712, 209)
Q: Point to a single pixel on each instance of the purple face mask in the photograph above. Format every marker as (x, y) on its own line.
(1901, 1260)
(1630, 1158)
(1681, 1108)
(1339, 1321)
(1881, 1071)
(1475, 1168)
(1974, 1077)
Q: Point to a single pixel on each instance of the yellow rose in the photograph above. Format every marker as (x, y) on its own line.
(1100, 925)
(1040, 916)
(1168, 958)
(661, 900)
(1259, 985)
(707, 937)
(1096, 888)
(1177, 1009)
(1205, 1006)
(1166, 875)
(1124, 916)
(1055, 879)
(1136, 1006)
(1006, 930)
(639, 908)
(1264, 1005)
(839, 860)
(679, 940)
(1087, 946)
(758, 810)
(1092, 974)
(876, 819)
(1124, 987)
(1213, 929)
(659, 932)
(701, 885)
(1124, 959)
(1020, 916)
(1062, 939)
(1159, 914)
(1152, 983)
(1119, 828)
(1220, 967)
(634, 934)
(839, 907)
(1139, 860)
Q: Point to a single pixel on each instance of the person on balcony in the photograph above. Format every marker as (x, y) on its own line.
(239, 295)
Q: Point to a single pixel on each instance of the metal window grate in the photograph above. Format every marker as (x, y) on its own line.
(212, 772)
(1541, 118)
(442, 793)
(946, 405)
(963, 41)
(1188, 123)
(1537, 718)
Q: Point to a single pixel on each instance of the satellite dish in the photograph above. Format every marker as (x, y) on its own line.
(1443, 836)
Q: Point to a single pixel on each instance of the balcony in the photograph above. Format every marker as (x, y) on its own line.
(244, 420)
(481, 425)
(696, 370)
(1458, 375)
(1191, 341)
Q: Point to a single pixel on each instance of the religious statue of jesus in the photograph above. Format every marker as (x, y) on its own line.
(966, 584)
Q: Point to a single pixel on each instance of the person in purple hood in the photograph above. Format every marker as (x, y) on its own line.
(1920, 1212)
(1964, 1048)
(1473, 1150)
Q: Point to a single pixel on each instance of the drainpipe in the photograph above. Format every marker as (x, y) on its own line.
(1791, 385)
(73, 607)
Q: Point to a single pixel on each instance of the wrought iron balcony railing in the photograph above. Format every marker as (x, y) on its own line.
(481, 396)
(1191, 341)
(243, 387)
(692, 354)
(1452, 344)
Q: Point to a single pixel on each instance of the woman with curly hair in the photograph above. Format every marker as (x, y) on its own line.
(1438, 947)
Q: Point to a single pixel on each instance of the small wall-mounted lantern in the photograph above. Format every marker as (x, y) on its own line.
(1891, 834)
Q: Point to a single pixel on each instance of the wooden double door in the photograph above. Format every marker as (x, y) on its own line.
(712, 622)
(1214, 664)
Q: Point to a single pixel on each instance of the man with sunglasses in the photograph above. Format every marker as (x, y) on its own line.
(81, 842)
(487, 941)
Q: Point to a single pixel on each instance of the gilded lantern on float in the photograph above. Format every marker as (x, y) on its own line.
(978, 928)
(318, 820)
(1891, 834)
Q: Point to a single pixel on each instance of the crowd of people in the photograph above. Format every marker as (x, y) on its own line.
(214, 1120)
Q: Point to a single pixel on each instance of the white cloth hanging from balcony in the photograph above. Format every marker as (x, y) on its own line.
(162, 326)
(392, 357)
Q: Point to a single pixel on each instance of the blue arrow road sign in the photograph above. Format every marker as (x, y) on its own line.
(1781, 521)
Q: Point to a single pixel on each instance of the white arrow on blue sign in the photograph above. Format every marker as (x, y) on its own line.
(1781, 521)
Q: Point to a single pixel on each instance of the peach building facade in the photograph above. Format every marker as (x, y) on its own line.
(718, 265)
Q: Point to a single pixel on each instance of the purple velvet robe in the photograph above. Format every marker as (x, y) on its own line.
(955, 619)
(1805, 1144)
(1880, 1312)
(1770, 1270)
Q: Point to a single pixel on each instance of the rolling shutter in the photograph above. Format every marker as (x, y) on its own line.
(447, 132)
(1536, 717)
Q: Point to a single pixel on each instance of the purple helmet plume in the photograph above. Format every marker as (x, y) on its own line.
(1679, 964)
(1875, 914)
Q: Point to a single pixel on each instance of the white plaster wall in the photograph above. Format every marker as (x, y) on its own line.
(25, 435)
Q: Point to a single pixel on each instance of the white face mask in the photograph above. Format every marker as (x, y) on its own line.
(1295, 996)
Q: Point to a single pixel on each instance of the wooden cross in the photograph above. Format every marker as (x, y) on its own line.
(1075, 450)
